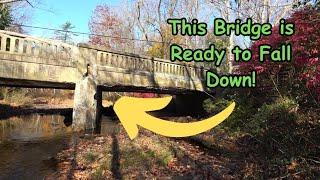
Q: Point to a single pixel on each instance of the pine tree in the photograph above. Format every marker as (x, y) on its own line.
(65, 33)
(5, 16)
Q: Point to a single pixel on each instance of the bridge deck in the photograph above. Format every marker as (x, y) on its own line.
(33, 62)
(30, 61)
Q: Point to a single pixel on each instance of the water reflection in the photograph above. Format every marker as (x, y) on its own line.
(32, 127)
(28, 145)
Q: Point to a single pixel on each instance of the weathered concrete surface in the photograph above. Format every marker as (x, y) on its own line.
(32, 62)
(27, 58)
(87, 102)
(37, 72)
(115, 76)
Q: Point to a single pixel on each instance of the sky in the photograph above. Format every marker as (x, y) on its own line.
(54, 13)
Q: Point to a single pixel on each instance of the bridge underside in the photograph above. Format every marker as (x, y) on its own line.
(9, 82)
(88, 97)
(24, 83)
(157, 90)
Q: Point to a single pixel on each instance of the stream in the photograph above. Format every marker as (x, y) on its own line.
(29, 144)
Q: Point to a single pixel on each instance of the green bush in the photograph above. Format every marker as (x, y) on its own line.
(243, 111)
(252, 118)
(216, 106)
(280, 112)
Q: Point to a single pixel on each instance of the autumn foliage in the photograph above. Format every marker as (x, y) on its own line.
(306, 50)
(105, 23)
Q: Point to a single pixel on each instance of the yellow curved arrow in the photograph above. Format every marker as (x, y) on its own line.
(132, 112)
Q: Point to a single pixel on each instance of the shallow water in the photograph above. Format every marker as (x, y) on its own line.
(29, 144)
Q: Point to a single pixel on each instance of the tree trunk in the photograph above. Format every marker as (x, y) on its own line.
(231, 38)
(265, 12)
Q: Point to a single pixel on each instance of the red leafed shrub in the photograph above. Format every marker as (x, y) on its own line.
(306, 50)
(145, 95)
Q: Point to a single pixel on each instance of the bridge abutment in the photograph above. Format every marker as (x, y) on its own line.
(87, 105)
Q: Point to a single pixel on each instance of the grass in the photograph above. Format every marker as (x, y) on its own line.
(102, 165)
(90, 157)
(156, 149)
(132, 157)
(98, 174)
(164, 157)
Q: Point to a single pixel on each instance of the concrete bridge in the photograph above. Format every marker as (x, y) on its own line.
(27, 61)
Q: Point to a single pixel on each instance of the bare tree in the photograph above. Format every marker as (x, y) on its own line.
(261, 11)
(151, 20)
(20, 11)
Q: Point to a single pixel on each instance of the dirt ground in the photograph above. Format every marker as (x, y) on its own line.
(151, 156)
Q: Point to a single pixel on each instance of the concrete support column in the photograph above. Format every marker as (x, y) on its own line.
(87, 105)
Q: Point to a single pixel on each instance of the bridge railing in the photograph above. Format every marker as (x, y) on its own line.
(133, 62)
(58, 53)
(24, 45)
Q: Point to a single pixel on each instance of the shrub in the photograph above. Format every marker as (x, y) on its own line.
(305, 45)
(215, 106)
(278, 113)
(245, 107)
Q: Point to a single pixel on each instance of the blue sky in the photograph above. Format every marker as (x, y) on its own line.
(78, 12)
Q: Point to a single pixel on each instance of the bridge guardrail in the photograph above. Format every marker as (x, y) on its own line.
(144, 63)
(65, 54)
(20, 44)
